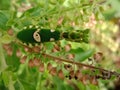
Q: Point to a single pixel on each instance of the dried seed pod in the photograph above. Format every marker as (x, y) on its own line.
(10, 32)
(41, 67)
(72, 74)
(6, 46)
(60, 21)
(70, 56)
(27, 49)
(117, 63)
(98, 76)
(106, 75)
(91, 1)
(61, 74)
(78, 75)
(67, 47)
(54, 50)
(72, 24)
(57, 47)
(23, 59)
(93, 80)
(84, 79)
(68, 67)
(10, 51)
(36, 49)
(30, 63)
(69, 77)
(98, 56)
(18, 53)
(53, 71)
(36, 61)
(49, 66)
(85, 68)
(76, 78)
(118, 77)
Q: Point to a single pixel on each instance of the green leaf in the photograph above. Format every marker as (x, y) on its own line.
(115, 4)
(3, 20)
(68, 87)
(13, 60)
(59, 83)
(12, 18)
(27, 85)
(5, 78)
(77, 50)
(81, 55)
(5, 4)
(2, 86)
(109, 14)
(81, 86)
(93, 87)
(8, 78)
(18, 86)
(5, 39)
(33, 12)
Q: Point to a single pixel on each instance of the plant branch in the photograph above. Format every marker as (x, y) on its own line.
(52, 11)
(81, 64)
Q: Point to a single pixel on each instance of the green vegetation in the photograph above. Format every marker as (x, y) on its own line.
(74, 44)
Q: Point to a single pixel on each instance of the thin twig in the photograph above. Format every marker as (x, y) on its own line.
(80, 64)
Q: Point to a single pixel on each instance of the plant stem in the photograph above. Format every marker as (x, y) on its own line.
(80, 64)
(38, 86)
(3, 64)
(51, 11)
(11, 83)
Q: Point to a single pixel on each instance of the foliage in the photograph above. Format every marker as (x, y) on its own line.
(60, 65)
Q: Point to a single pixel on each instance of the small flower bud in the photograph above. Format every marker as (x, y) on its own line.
(36, 61)
(10, 32)
(49, 66)
(6, 46)
(23, 59)
(18, 53)
(36, 49)
(84, 79)
(78, 75)
(10, 51)
(94, 81)
(70, 56)
(72, 74)
(54, 50)
(67, 47)
(98, 56)
(56, 47)
(41, 67)
(60, 74)
(30, 63)
(53, 71)
(60, 20)
(27, 49)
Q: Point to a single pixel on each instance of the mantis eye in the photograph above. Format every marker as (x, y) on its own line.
(36, 36)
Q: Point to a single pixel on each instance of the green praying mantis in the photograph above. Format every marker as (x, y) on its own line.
(35, 34)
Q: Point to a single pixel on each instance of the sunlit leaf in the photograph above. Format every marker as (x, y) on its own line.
(81, 55)
(3, 20)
